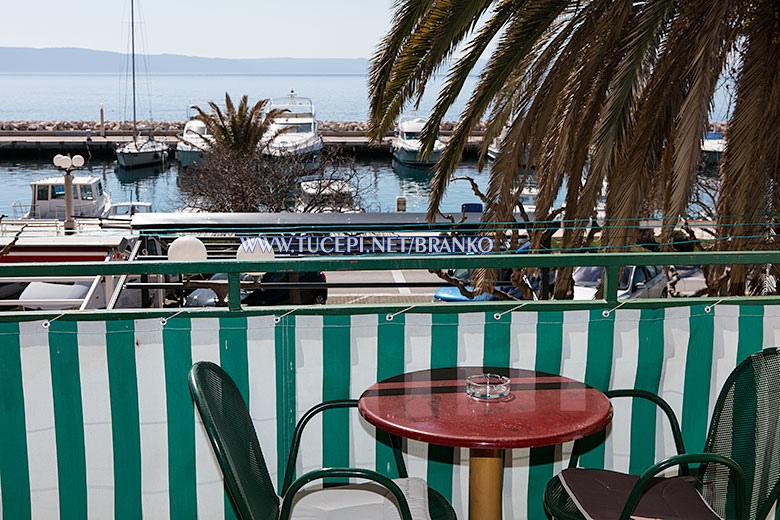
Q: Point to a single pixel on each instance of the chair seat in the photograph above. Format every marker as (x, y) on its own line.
(367, 501)
(601, 495)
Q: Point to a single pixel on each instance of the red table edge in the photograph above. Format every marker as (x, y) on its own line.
(443, 440)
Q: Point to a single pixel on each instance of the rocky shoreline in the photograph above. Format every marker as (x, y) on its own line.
(172, 128)
(167, 127)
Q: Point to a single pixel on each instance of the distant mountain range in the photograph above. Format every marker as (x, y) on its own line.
(72, 60)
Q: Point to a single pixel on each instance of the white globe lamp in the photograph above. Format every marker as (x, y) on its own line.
(187, 249)
(78, 161)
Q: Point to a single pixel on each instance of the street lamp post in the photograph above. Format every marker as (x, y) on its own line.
(68, 164)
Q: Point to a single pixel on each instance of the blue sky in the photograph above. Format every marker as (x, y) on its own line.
(235, 28)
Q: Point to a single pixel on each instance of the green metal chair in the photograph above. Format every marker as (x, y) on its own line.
(234, 439)
(738, 472)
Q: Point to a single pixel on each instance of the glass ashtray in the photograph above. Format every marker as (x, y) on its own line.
(487, 386)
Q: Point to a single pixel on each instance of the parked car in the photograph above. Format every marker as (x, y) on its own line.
(451, 293)
(258, 297)
(285, 296)
(639, 281)
(10, 290)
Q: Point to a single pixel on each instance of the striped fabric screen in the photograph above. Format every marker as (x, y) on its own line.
(97, 418)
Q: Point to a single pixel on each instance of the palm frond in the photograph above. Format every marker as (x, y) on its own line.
(439, 32)
(711, 53)
(518, 40)
(407, 15)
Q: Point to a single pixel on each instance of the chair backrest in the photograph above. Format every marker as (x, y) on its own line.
(746, 427)
(233, 437)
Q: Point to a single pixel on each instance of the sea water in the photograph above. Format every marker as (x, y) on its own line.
(166, 97)
(379, 182)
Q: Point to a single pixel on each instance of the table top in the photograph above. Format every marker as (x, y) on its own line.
(433, 406)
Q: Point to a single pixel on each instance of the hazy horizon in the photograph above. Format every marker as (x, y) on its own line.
(234, 29)
(82, 60)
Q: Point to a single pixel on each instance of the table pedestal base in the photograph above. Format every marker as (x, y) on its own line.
(485, 478)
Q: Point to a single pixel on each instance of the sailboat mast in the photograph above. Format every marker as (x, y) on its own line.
(132, 59)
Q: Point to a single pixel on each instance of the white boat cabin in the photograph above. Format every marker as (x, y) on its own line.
(407, 145)
(48, 198)
(299, 126)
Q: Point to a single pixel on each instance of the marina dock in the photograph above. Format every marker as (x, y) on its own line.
(47, 143)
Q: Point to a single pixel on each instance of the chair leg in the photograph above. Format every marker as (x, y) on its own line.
(397, 445)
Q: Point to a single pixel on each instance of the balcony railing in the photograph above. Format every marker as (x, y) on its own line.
(612, 262)
(97, 417)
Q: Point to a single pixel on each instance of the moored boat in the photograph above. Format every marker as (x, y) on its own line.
(406, 146)
(713, 145)
(90, 200)
(48, 199)
(194, 140)
(139, 152)
(299, 126)
(326, 195)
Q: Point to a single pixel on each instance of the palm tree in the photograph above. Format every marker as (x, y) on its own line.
(598, 90)
(240, 129)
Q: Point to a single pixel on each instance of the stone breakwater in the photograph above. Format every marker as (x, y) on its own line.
(171, 127)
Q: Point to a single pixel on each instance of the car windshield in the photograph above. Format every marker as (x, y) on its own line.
(590, 276)
(503, 276)
(464, 275)
(223, 276)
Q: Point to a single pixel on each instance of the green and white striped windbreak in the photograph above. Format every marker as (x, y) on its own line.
(97, 420)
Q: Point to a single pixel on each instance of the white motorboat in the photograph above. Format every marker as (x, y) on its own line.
(68, 291)
(529, 194)
(138, 152)
(326, 195)
(495, 145)
(527, 199)
(299, 125)
(48, 199)
(90, 200)
(193, 142)
(493, 149)
(406, 145)
(712, 147)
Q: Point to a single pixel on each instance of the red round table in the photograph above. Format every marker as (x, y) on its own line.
(433, 406)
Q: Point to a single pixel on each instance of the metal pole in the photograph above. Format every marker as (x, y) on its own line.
(132, 58)
(102, 125)
(69, 224)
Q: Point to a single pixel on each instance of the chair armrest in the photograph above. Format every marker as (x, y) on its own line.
(677, 460)
(344, 473)
(653, 398)
(296, 440)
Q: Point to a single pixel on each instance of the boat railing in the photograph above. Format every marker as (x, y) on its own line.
(79, 210)
(290, 101)
(23, 210)
(296, 115)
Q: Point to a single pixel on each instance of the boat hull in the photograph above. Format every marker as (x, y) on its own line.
(278, 148)
(188, 157)
(411, 157)
(134, 159)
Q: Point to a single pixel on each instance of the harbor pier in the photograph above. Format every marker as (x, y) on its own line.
(45, 143)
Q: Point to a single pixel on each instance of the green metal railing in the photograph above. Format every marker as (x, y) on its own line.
(612, 262)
